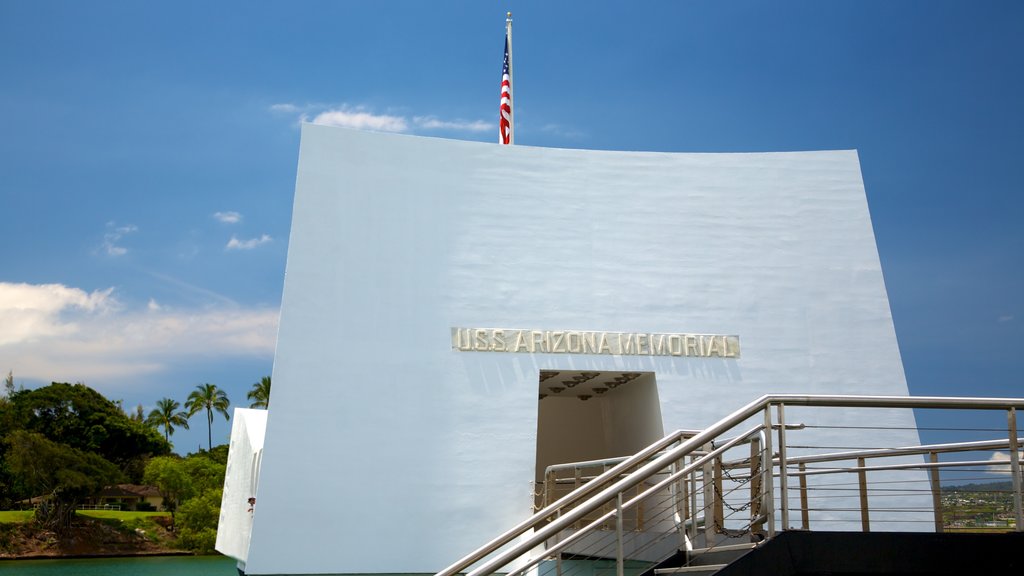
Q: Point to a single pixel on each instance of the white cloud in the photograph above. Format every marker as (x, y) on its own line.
(362, 118)
(230, 217)
(32, 311)
(59, 333)
(286, 108)
(346, 117)
(434, 123)
(1005, 318)
(1000, 462)
(236, 244)
(114, 235)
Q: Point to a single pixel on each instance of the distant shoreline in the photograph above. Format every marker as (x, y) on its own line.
(87, 538)
(140, 554)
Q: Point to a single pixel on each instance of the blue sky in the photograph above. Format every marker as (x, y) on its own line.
(148, 154)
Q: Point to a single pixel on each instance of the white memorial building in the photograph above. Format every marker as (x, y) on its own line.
(457, 316)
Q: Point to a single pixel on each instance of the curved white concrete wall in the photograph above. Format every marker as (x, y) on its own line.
(387, 451)
(240, 481)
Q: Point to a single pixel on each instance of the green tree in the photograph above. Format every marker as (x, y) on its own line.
(81, 418)
(208, 397)
(9, 487)
(166, 415)
(66, 475)
(171, 477)
(198, 520)
(9, 383)
(192, 489)
(205, 473)
(260, 393)
(218, 454)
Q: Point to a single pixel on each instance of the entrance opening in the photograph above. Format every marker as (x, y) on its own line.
(588, 415)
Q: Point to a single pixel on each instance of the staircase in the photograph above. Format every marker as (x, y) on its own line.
(721, 500)
(707, 560)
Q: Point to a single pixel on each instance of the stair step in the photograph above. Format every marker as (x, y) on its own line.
(724, 548)
(686, 569)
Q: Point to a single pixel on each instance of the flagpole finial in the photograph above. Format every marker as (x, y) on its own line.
(508, 15)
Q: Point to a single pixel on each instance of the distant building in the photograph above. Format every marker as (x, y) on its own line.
(128, 497)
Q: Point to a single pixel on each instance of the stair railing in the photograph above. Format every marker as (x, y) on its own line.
(661, 470)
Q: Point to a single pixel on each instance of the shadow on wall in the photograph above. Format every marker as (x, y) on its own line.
(493, 373)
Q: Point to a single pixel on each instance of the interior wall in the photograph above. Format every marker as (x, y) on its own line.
(617, 423)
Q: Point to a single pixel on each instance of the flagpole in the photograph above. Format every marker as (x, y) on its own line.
(511, 84)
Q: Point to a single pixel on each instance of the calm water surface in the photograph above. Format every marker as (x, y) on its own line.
(157, 566)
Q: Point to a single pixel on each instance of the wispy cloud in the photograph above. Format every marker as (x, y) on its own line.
(236, 244)
(229, 217)
(286, 108)
(360, 119)
(365, 118)
(562, 131)
(113, 236)
(1005, 318)
(54, 332)
(434, 123)
(195, 293)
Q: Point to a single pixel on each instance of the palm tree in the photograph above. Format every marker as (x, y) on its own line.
(260, 393)
(167, 415)
(208, 397)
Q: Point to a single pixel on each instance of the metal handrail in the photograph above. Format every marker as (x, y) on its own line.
(544, 527)
(568, 499)
(662, 484)
(905, 451)
(596, 501)
(678, 434)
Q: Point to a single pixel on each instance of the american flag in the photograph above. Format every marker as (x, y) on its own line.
(505, 120)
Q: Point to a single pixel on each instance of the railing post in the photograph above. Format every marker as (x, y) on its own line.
(709, 495)
(577, 482)
(769, 467)
(679, 497)
(619, 562)
(783, 472)
(719, 494)
(549, 488)
(862, 481)
(940, 527)
(558, 557)
(1015, 467)
(693, 501)
(805, 513)
(756, 487)
(639, 510)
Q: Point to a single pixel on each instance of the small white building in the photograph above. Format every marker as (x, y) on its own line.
(457, 316)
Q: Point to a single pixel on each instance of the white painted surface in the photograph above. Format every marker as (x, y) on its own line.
(387, 451)
(619, 422)
(240, 480)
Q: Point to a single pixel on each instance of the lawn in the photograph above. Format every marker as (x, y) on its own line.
(119, 514)
(9, 516)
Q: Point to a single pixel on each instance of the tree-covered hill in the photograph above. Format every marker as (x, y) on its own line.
(65, 442)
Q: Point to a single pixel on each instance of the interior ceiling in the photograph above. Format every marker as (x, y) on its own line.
(583, 384)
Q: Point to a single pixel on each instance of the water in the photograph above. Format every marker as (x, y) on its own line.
(150, 566)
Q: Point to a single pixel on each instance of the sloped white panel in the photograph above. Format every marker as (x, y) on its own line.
(388, 451)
